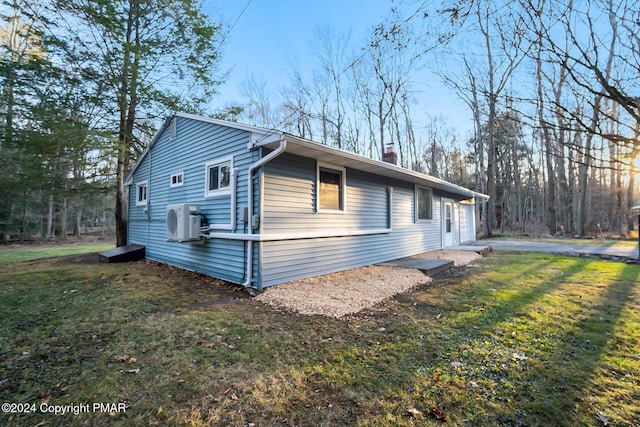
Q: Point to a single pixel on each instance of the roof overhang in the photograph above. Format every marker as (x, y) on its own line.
(327, 154)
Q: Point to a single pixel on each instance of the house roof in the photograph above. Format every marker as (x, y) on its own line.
(325, 153)
(269, 138)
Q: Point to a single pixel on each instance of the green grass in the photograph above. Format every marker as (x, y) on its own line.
(521, 339)
(13, 253)
(629, 243)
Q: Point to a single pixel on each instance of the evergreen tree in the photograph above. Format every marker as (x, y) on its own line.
(140, 59)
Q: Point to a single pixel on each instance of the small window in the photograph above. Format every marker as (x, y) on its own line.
(142, 190)
(177, 179)
(218, 178)
(424, 203)
(331, 189)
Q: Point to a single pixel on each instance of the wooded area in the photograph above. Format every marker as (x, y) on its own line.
(551, 87)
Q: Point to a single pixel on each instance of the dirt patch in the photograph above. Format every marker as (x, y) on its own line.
(88, 258)
(347, 292)
(459, 258)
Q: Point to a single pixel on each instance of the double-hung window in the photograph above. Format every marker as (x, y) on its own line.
(331, 188)
(218, 177)
(424, 203)
(142, 190)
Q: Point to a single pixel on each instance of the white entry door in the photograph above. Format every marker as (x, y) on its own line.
(448, 226)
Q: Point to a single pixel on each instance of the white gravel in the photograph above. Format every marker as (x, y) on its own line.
(347, 292)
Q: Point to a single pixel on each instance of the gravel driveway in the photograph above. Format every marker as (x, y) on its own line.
(596, 248)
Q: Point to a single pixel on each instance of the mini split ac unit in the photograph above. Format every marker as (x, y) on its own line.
(183, 222)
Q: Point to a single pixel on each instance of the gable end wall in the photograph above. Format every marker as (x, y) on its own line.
(196, 144)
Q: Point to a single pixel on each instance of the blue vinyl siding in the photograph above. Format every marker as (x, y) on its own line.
(290, 194)
(196, 144)
(289, 189)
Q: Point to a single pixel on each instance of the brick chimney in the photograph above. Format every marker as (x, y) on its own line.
(390, 156)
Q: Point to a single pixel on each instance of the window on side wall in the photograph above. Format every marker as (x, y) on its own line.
(142, 191)
(331, 188)
(177, 179)
(424, 203)
(218, 178)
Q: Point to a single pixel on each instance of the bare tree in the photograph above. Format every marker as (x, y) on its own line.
(505, 33)
(259, 109)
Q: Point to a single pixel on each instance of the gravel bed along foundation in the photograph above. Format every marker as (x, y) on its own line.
(347, 292)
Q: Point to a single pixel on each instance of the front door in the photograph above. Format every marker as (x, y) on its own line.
(448, 226)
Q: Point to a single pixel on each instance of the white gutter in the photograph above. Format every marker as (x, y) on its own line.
(275, 153)
(231, 226)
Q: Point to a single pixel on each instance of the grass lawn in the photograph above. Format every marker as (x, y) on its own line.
(629, 243)
(13, 253)
(521, 339)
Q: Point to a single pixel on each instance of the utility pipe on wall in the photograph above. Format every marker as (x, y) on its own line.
(275, 153)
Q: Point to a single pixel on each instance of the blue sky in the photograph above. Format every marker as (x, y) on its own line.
(271, 34)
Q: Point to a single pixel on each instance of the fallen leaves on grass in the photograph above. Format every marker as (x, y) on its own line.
(438, 414)
(517, 355)
(413, 412)
(126, 359)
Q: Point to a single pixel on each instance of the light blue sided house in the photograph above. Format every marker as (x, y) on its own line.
(259, 207)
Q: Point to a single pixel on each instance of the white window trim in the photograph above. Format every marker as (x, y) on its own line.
(415, 202)
(220, 191)
(343, 184)
(177, 184)
(144, 201)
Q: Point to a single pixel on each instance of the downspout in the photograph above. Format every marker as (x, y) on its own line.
(390, 208)
(147, 207)
(275, 153)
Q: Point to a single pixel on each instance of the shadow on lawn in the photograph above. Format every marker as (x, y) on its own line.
(562, 384)
(511, 306)
(556, 382)
(573, 367)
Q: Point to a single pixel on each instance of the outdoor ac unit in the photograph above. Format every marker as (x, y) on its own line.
(183, 222)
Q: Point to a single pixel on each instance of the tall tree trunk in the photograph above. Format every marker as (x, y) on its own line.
(631, 219)
(583, 183)
(128, 104)
(78, 220)
(547, 141)
(479, 152)
(381, 126)
(50, 217)
(566, 210)
(65, 212)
